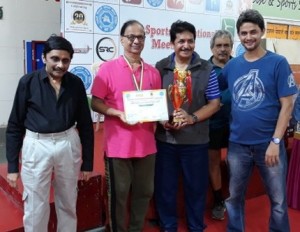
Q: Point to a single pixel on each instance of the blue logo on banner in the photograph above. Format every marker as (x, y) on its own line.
(155, 3)
(240, 50)
(84, 75)
(106, 18)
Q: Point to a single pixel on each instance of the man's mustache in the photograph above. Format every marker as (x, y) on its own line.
(223, 53)
(186, 49)
(59, 69)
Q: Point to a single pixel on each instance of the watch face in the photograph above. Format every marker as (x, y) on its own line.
(195, 119)
(276, 140)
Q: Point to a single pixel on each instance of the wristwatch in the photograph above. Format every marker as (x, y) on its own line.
(275, 140)
(195, 118)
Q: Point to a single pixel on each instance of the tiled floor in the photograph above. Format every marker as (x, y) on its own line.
(257, 209)
(2, 145)
(257, 213)
(10, 214)
(256, 218)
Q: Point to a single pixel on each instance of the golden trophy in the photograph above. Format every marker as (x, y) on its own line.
(180, 91)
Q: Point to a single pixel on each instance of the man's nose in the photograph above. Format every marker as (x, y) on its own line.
(61, 63)
(248, 36)
(186, 44)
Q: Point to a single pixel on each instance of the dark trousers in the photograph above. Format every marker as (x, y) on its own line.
(192, 162)
(124, 176)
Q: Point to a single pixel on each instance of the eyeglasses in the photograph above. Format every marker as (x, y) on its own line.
(132, 38)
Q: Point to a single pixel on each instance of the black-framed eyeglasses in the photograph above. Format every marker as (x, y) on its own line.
(132, 38)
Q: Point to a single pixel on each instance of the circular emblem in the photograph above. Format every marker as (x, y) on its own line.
(78, 17)
(106, 18)
(84, 75)
(106, 49)
(155, 3)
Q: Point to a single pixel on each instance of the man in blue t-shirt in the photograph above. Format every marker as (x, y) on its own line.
(262, 87)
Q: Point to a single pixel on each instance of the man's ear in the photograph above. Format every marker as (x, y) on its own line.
(43, 58)
(263, 32)
(122, 40)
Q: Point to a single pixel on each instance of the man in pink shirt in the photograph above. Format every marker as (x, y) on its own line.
(129, 147)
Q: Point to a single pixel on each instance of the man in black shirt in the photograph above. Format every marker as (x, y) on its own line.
(49, 105)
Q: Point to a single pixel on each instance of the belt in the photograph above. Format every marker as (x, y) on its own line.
(37, 135)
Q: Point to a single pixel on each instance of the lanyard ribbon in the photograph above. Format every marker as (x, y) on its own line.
(139, 88)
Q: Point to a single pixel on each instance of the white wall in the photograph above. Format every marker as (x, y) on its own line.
(22, 20)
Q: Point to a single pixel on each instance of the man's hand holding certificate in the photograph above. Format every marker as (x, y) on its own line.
(145, 106)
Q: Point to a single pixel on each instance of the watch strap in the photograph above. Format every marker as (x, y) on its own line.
(195, 118)
(275, 140)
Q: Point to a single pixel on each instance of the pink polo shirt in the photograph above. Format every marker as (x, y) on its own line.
(122, 140)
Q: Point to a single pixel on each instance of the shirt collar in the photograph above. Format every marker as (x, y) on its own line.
(124, 63)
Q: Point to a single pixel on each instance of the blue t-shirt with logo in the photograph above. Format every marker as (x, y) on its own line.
(256, 88)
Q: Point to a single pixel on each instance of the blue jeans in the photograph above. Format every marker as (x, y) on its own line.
(192, 162)
(241, 160)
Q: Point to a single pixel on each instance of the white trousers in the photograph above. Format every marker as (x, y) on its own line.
(47, 157)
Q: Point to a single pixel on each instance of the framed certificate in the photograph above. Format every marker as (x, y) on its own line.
(145, 105)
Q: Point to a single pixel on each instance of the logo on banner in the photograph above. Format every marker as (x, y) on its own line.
(213, 5)
(229, 25)
(106, 49)
(175, 4)
(78, 17)
(240, 50)
(106, 18)
(84, 75)
(132, 1)
(155, 3)
(198, 2)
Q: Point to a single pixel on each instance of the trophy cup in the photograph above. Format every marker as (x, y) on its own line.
(180, 91)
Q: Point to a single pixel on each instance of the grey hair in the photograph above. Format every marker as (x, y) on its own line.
(221, 34)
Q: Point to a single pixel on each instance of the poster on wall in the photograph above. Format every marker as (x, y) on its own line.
(78, 16)
(278, 31)
(83, 45)
(103, 20)
(294, 32)
(85, 74)
(93, 27)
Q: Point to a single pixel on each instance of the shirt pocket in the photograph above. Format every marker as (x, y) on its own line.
(28, 150)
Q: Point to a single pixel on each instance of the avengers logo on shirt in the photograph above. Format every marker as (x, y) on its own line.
(248, 91)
